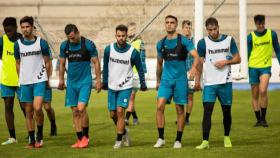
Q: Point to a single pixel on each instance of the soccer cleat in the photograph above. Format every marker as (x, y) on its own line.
(203, 145)
(187, 122)
(9, 141)
(227, 142)
(160, 143)
(126, 139)
(177, 145)
(30, 146)
(135, 121)
(126, 122)
(39, 144)
(118, 145)
(258, 124)
(53, 131)
(264, 123)
(83, 143)
(77, 144)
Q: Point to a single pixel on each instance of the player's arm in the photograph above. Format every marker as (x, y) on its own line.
(46, 55)
(135, 58)
(1, 47)
(235, 57)
(94, 59)
(159, 63)
(105, 68)
(276, 45)
(196, 67)
(17, 57)
(143, 56)
(195, 71)
(249, 45)
(48, 68)
(97, 69)
(62, 61)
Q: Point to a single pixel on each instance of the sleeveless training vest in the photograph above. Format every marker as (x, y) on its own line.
(32, 65)
(9, 76)
(120, 69)
(261, 54)
(177, 53)
(216, 51)
(79, 55)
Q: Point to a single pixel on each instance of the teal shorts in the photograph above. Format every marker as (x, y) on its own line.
(256, 73)
(222, 91)
(77, 93)
(48, 95)
(177, 90)
(9, 91)
(118, 98)
(29, 91)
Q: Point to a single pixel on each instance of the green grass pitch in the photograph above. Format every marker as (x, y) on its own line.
(247, 140)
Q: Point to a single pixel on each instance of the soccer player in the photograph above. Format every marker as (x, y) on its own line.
(171, 78)
(187, 31)
(218, 52)
(48, 98)
(79, 52)
(9, 77)
(33, 67)
(261, 43)
(138, 44)
(119, 59)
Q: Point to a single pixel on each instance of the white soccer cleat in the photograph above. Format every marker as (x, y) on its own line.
(9, 141)
(160, 143)
(177, 145)
(126, 138)
(118, 145)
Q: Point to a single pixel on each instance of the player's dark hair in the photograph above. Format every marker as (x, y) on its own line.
(28, 19)
(186, 22)
(172, 17)
(259, 18)
(211, 21)
(122, 28)
(10, 21)
(70, 28)
(131, 24)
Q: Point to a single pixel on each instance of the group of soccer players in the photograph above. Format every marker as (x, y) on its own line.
(28, 56)
(26, 70)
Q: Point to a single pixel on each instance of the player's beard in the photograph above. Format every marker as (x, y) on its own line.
(171, 32)
(121, 43)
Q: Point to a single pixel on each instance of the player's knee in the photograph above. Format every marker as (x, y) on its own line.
(263, 92)
(29, 114)
(38, 111)
(120, 114)
(75, 113)
(113, 115)
(47, 108)
(160, 108)
(180, 111)
(82, 112)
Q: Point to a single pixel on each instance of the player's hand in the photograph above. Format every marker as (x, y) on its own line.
(221, 64)
(105, 86)
(143, 87)
(192, 73)
(197, 86)
(61, 85)
(157, 86)
(48, 84)
(98, 86)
